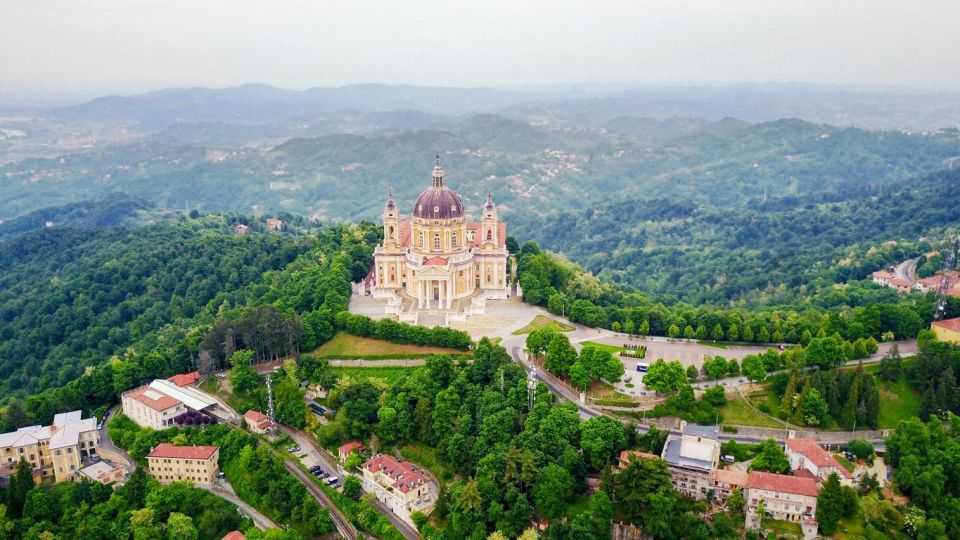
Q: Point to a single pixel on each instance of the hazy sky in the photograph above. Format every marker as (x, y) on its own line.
(134, 45)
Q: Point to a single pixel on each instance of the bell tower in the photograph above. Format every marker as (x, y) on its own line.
(391, 224)
(489, 224)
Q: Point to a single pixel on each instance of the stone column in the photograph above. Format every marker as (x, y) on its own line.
(439, 294)
(419, 294)
(429, 294)
(450, 293)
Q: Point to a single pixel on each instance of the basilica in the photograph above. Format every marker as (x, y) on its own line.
(437, 260)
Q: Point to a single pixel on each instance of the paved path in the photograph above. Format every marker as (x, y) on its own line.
(261, 521)
(907, 270)
(106, 448)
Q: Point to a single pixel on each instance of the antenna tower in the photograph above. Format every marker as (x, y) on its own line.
(949, 262)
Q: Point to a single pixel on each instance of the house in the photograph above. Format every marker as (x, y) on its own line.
(806, 454)
(234, 535)
(274, 224)
(400, 485)
(195, 464)
(241, 229)
(185, 379)
(888, 279)
(933, 283)
(785, 498)
(353, 446)
(56, 451)
(691, 457)
(257, 422)
(947, 330)
(103, 472)
(726, 481)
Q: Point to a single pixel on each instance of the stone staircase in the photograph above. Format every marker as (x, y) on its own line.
(432, 318)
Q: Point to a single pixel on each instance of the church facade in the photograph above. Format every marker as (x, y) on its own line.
(437, 257)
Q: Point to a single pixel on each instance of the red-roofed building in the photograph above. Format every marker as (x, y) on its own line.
(627, 456)
(806, 454)
(947, 330)
(725, 481)
(195, 464)
(400, 485)
(234, 535)
(353, 446)
(787, 498)
(257, 422)
(185, 379)
(151, 408)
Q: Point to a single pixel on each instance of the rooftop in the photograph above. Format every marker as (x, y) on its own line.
(404, 475)
(255, 416)
(185, 379)
(815, 454)
(98, 469)
(734, 477)
(949, 324)
(706, 432)
(693, 455)
(157, 401)
(190, 396)
(782, 483)
(65, 431)
(167, 450)
(351, 446)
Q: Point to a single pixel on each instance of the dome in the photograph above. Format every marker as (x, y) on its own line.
(438, 201)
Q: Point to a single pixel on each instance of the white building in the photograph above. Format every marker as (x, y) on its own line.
(157, 405)
(56, 451)
(691, 457)
(806, 454)
(785, 498)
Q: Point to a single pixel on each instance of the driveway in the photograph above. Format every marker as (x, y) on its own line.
(261, 521)
(106, 448)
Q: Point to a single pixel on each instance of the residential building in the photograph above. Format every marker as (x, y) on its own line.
(806, 454)
(353, 446)
(691, 457)
(274, 224)
(103, 472)
(400, 485)
(947, 330)
(786, 498)
(257, 422)
(234, 535)
(888, 279)
(241, 229)
(726, 481)
(57, 451)
(195, 464)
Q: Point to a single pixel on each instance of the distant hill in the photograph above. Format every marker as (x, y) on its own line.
(111, 211)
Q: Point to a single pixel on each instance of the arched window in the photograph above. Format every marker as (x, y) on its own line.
(489, 234)
(453, 240)
(421, 238)
(436, 240)
(391, 231)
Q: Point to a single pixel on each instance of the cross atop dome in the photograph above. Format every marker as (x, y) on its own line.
(390, 202)
(489, 205)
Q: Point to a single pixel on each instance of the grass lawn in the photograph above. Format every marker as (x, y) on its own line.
(389, 374)
(780, 528)
(576, 506)
(605, 394)
(714, 344)
(845, 462)
(603, 346)
(897, 402)
(540, 321)
(427, 457)
(347, 346)
(736, 412)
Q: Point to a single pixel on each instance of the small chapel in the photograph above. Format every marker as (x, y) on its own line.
(437, 257)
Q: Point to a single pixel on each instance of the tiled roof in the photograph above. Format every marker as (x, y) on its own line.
(184, 379)
(234, 535)
(350, 447)
(782, 483)
(815, 454)
(255, 416)
(404, 475)
(730, 476)
(949, 324)
(882, 274)
(167, 450)
(154, 399)
(435, 261)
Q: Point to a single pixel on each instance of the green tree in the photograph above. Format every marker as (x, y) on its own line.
(735, 501)
(665, 377)
(688, 332)
(19, 488)
(814, 408)
(243, 378)
(753, 368)
(770, 457)
(553, 489)
(351, 487)
(673, 331)
(891, 365)
(601, 439)
(180, 527)
(644, 329)
(715, 368)
(560, 355)
(692, 373)
(733, 333)
(143, 525)
(717, 332)
(831, 505)
(579, 377)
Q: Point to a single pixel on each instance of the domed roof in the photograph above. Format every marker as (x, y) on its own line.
(438, 201)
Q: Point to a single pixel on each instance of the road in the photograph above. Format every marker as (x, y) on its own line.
(106, 448)
(587, 412)
(313, 454)
(261, 521)
(907, 270)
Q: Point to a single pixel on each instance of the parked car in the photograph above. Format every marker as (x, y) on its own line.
(293, 449)
(321, 474)
(332, 480)
(314, 469)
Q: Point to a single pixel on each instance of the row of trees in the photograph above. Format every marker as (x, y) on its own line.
(561, 359)
(397, 332)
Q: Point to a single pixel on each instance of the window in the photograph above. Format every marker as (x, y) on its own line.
(436, 240)
(489, 234)
(453, 208)
(453, 240)
(436, 209)
(421, 238)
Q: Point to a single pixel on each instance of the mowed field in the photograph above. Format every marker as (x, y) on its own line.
(348, 346)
